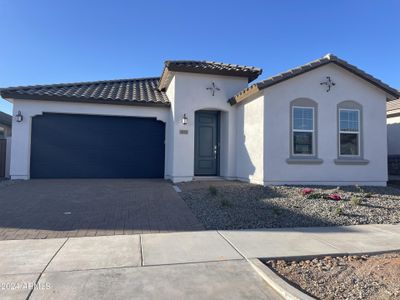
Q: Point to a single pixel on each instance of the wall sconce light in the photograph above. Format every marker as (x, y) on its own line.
(19, 117)
(184, 119)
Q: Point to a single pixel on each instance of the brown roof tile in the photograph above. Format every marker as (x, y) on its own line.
(142, 91)
(393, 105)
(329, 58)
(208, 67)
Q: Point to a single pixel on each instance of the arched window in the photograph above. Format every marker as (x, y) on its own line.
(349, 129)
(350, 133)
(303, 128)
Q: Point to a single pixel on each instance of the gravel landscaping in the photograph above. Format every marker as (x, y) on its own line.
(238, 205)
(346, 277)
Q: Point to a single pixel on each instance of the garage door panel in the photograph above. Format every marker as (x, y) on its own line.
(83, 146)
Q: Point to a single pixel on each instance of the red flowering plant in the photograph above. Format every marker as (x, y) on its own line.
(334, 196)
(306, 191)
(310, 194)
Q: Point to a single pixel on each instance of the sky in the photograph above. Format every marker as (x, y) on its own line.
(48, 41)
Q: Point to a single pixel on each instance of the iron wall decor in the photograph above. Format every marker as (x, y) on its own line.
(213, 88)
(329, 83)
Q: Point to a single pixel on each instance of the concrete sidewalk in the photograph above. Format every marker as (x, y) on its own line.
(197, 265)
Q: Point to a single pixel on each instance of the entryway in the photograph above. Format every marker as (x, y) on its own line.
(207, 143)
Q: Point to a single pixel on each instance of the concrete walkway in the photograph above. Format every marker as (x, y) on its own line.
(195, 265)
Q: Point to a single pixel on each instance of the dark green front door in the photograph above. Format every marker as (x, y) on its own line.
(206, 153)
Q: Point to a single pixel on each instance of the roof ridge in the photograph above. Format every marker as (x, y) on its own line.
(328, 58)
(211, 62)
(78, 83)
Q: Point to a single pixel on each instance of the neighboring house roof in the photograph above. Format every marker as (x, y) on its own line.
(140, 91)
(329, 58)
(207, 67)
(5, 119)
(393, 108)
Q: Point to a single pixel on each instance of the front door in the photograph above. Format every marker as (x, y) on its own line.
(206, 153)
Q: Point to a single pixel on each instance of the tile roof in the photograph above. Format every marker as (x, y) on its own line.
(329, 58)
(208, 67)
(392, 106)
(141, 91)
(5, 119)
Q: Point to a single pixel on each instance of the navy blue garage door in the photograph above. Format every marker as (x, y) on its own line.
(84, 146)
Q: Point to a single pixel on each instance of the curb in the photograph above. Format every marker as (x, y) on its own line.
(283, 288)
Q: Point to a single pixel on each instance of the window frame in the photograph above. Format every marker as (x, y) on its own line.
(351, 132)
(293, 130)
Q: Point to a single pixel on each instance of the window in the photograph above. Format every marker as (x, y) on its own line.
(349, 132)
(302, 130)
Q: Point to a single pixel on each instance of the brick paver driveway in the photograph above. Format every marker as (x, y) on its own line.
(88, 207)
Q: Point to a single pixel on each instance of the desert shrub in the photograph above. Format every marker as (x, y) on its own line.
(355, 200)
(213, 190)
(338, 211)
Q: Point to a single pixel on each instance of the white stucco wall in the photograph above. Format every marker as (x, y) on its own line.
(169, 135)
(190, 95)
(393, 132)
(250, 140)
(277, 131)
(21, 132)
(8, 157)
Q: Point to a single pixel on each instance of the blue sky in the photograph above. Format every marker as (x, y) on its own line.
(48, 41)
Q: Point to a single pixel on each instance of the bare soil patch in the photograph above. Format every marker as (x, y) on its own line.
(346, 277)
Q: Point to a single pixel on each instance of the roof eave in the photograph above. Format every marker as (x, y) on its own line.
(16, 96)
(243, 95)
(391, 92)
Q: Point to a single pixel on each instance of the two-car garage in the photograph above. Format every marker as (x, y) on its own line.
(93, 146)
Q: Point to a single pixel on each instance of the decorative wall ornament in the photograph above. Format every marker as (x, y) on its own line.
(329, 83)
(213, 88)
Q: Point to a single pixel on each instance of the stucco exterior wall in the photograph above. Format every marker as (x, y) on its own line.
(277, 130)
(8, 157)
(21, 132)
(250, 140)
(169, 134)
(393, 132)
(191, 95)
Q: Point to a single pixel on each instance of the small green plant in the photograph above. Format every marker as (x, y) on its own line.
(338, 211)
(368, 195)
(355, 200)
(317, 196)
(226, 203)
(360, 189)
(213, 190)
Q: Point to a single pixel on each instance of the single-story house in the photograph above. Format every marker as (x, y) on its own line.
(393, 132)
(5, 125)
(320, 123)
(5, 144)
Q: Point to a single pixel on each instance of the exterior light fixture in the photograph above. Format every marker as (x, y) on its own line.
(19, 117)
(184, 119)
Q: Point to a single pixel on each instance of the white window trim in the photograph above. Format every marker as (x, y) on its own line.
(352, 132)
(303, 130)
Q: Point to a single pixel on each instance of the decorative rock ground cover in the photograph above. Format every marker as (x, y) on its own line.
(238, 205)
(346, 277)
